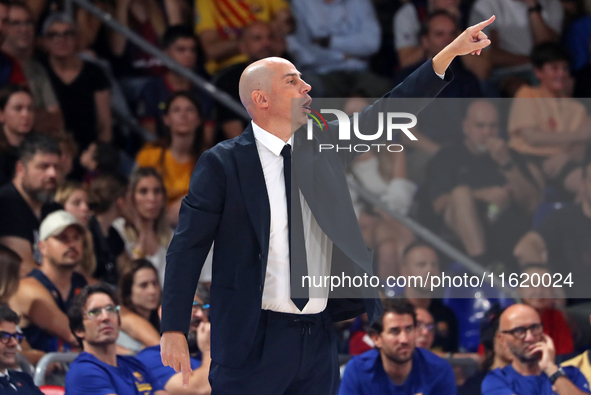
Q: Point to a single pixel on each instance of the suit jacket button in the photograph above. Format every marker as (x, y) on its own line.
(260, 257)
(260, 287)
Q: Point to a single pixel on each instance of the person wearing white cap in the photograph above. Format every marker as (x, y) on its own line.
(60, 241)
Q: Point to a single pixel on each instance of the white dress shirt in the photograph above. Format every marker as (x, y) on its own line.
(276, 292)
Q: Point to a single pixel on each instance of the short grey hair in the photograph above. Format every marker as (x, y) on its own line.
(57, 17)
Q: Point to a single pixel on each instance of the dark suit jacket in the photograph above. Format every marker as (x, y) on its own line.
(228, 202)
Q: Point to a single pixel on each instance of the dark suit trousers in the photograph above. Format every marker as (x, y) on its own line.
(291, 354)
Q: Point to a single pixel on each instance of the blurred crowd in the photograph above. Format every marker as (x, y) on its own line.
(99, 139)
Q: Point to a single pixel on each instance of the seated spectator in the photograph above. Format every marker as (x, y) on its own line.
(407, 23)
(425, 328)
(95, 321)
(82, 89)
(106, 196)
(544, 299)
(60, 243)
(256, 44)
(418, 260)
(134, 66)
(547, 127)
(198, 340)
(533, 370)
(69, 162)
(176, 157)
(27, 199)
(145, 229)
(180, 43)
(12, 381)
(10, 70)
(521, 25)
(397, 365)
(17, 116)
(561, 242)
(496, 353)
(332, 44)
(482, 190)
(10, 264)
(73, 197)
(220, 27)
(140, 291)
(20, 44)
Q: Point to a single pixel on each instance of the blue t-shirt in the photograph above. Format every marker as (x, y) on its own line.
(507, 381)
(89, 376)
(150, 356)
(430, 375)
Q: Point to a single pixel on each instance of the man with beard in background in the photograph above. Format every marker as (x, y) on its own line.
(61, 237)
(533, 370)
(28, 198)
(396, 365)
(198, 340)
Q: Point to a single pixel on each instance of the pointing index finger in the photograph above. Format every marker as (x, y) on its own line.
(186, 371)
(483, 24)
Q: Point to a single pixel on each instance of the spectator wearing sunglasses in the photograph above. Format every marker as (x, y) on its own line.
(533, 370)
(95, 321)
(198, 340)
(12, 382)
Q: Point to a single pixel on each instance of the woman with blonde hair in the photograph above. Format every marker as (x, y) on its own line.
(74, 198)
(145, 229)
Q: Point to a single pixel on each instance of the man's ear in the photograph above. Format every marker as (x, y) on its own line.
(376, 338)
(79, 333)
(43, 247)
(259, 98)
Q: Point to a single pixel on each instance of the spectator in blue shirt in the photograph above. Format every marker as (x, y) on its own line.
(396, 366)
(95, 321)
(533, 370)
(12, 382)
(180, 43)
(198, 340)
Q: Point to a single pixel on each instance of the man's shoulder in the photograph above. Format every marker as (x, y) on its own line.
(9, 193)
(149, 354)
(577, 361)
(431, 359)
(364, 362)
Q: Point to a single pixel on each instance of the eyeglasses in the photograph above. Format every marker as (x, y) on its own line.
(428, 326)
(521, 331)
(204, 307)
(5, 337)
(94, 314)
(66, 34)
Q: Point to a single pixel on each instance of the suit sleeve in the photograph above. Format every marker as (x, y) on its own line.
(421, 87)
(199, 217)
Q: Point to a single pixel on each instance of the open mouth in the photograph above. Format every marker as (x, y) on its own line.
(306, 106)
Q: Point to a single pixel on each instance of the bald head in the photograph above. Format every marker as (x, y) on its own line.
(481, 123)
(518, 315)
(258, 76)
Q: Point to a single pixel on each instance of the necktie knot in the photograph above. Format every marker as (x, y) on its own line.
(286, 151)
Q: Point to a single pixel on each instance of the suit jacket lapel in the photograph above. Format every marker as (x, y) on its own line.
(254, 190)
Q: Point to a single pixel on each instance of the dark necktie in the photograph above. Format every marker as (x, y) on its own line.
(5, 387)
(297, 248)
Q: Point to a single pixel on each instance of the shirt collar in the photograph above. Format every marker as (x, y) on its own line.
(5, 373)
(270, 141)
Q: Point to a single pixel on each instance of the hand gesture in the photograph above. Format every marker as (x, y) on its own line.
(174, 352)
(554, 164)
(546, 348)
(204, 337)
(472, 40)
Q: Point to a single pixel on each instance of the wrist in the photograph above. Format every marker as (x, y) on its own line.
(550, 369)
